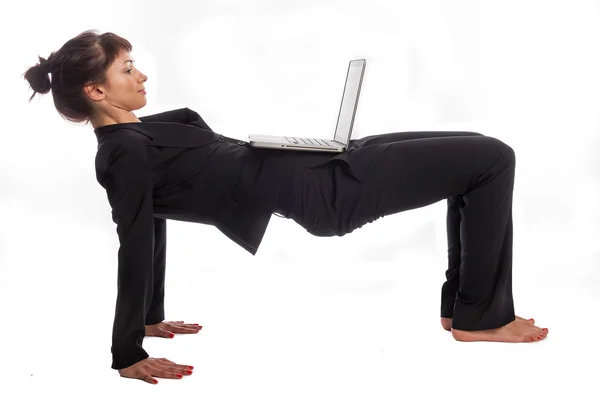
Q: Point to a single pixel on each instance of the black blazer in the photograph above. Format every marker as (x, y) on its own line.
(173, 166)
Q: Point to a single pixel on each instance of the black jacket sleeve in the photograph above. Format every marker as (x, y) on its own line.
(156, 314)
(128, 185)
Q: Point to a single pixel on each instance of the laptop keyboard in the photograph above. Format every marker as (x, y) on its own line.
(308, 141)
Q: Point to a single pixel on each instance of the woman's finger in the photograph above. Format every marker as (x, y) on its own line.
(148, 378)
(164, 372)
(164, 332)
(164, 362)
(172, 366)
(172, 327)
(184, 330)
(179, 322)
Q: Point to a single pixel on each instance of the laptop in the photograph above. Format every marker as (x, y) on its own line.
(343, 129)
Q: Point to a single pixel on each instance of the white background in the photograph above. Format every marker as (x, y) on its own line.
(307, 317)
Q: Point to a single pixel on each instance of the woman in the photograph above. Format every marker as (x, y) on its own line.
(172, 165)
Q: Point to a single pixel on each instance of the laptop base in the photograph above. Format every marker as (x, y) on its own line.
(290, 143)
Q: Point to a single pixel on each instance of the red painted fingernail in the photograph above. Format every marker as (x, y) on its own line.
(155, 381)
(179, 376)
(191, 367)
(171, 335)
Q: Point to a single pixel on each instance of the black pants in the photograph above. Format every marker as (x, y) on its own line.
(408, 170)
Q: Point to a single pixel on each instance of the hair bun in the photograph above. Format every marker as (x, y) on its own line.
(41, 82)
(44, 65)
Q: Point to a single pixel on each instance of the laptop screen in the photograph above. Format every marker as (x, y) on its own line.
(349, 101)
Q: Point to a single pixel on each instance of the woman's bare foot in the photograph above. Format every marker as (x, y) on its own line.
(447, 322)
(519, 330)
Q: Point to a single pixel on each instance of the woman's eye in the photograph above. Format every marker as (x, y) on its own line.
(129, 70)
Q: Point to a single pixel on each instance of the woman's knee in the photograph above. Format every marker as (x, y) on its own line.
(506, 150)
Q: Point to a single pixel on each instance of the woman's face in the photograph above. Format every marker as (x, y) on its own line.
(126, 83)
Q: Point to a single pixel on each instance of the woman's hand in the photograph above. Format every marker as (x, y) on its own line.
(168, 329)
(152, 367)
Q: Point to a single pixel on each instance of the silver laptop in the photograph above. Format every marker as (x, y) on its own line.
(343, 130)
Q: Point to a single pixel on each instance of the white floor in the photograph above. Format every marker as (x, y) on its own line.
(301, 324)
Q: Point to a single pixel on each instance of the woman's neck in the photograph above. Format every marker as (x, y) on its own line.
(103, 120)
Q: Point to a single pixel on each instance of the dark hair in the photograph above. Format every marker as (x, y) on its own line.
(82, 60)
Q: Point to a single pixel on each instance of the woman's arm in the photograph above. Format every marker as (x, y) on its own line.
(129, 189)
(156, 314)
